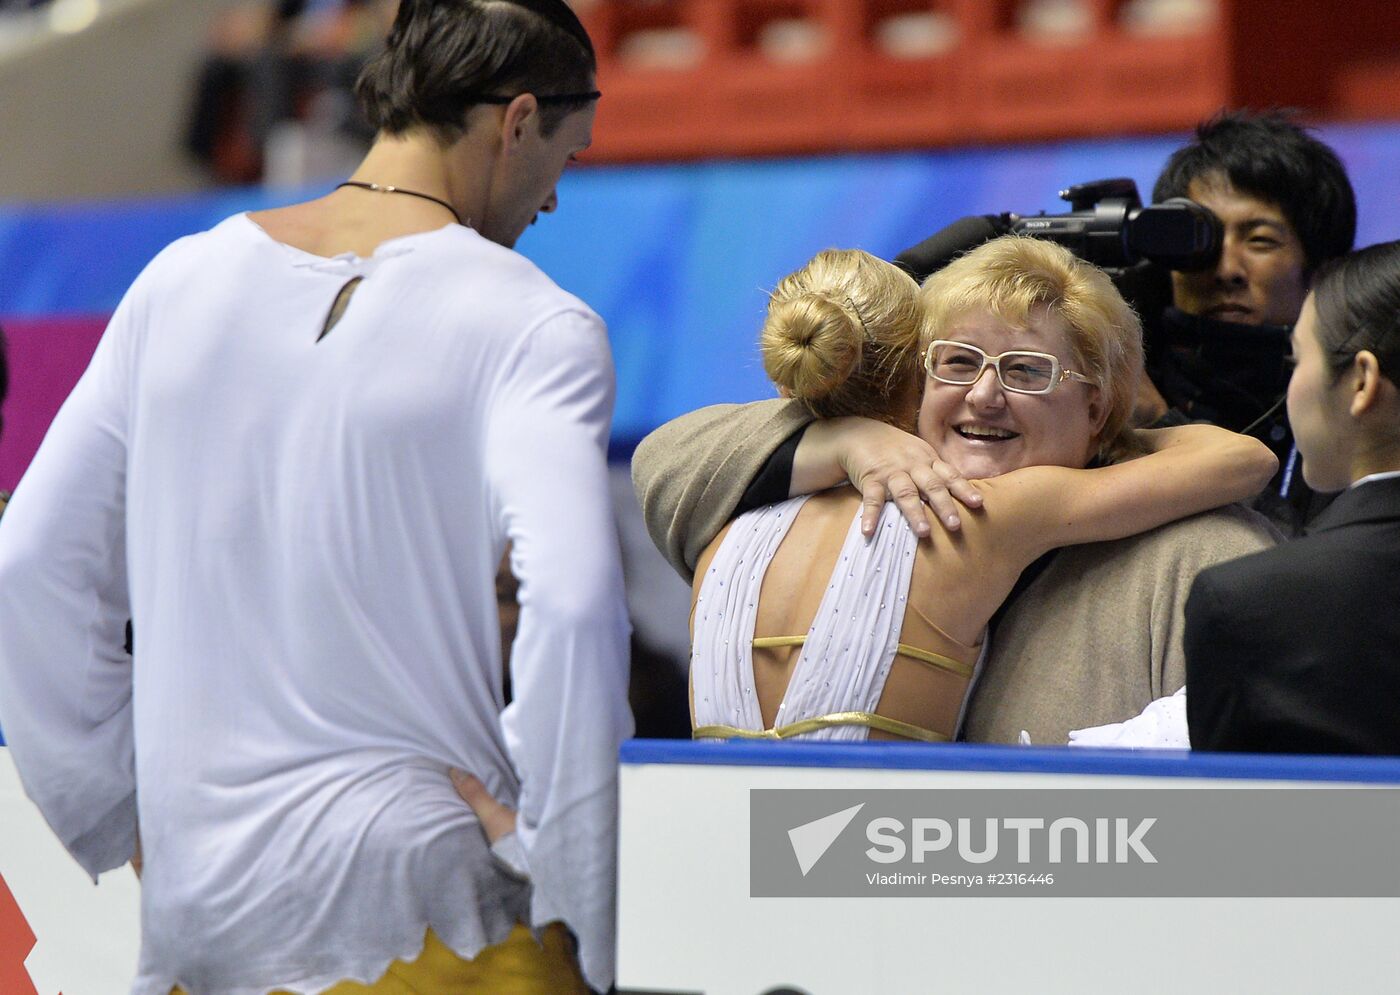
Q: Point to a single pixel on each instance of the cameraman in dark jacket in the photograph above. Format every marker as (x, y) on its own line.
(1220, 353)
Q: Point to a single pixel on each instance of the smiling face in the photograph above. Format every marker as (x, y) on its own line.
(1317, 408)
(985, 430)
(1259, 279)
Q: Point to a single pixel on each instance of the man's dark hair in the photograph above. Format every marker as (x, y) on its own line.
(1357, 299)
(1271, 157)
(443, 56)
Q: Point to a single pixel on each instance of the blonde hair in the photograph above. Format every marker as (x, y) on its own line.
(1011, 277)
(842, 337)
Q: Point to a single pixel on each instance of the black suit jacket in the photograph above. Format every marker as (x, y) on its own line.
(1297, 649)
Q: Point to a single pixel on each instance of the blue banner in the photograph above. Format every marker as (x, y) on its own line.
(677, 258)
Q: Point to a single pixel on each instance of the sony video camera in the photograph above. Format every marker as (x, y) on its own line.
(1106, 225)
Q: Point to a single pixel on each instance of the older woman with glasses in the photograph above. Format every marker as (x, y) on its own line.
(1019, 366)
(1297, 649)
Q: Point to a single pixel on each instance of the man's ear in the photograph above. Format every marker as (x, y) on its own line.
(520, 118)
(1366, 382)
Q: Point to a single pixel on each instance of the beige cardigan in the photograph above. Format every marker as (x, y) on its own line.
(691, 473)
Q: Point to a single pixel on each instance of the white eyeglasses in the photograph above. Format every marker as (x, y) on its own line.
(1019, 372)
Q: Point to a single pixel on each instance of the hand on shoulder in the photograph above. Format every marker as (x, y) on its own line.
(884, 463)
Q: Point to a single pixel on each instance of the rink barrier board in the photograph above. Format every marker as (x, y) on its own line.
(687, 923)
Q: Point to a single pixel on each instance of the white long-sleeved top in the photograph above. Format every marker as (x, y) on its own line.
(306, 535)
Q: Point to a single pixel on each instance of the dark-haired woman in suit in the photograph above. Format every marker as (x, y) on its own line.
(1297, 649)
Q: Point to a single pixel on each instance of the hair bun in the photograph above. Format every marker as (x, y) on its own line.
(811, 344)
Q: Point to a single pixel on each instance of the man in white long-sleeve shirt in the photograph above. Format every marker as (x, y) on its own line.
(294, 463)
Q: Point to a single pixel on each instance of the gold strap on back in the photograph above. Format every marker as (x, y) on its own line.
(768, 642)
(868, 719)
(963, 670)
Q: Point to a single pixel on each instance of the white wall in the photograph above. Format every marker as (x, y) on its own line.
(100, 112)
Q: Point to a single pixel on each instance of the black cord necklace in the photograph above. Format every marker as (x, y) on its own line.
(383, 188)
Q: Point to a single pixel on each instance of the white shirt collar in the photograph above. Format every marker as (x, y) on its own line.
(1384, 475)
